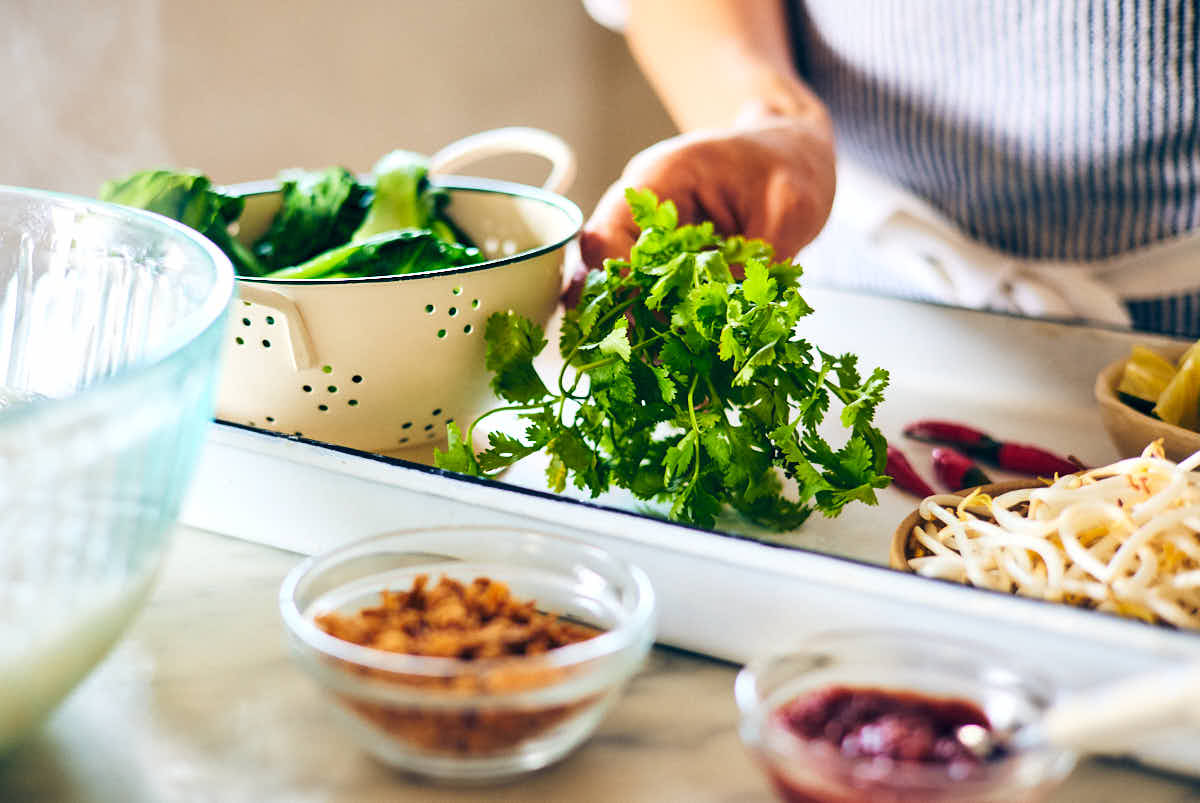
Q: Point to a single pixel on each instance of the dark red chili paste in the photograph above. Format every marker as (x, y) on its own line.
(870, 723)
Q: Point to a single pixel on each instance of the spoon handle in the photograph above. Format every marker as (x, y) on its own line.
(1116, 714)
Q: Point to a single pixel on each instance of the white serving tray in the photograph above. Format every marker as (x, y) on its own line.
(729, 594)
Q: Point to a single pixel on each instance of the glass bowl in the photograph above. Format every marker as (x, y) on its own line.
(472, 720)
(898, 661)
(110, 322)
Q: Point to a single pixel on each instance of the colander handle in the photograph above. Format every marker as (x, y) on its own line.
(300, 346)
(515, 139)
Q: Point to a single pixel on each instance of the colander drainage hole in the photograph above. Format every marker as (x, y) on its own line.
(332, 388)
(356, 378)
(452, 311)
(239, 341)
(468, 329)
(306, 388)
(266, 344)
(474, 303)
(270, 321)
(322, 407)
(429, 309)
(457, 290)
(404, 440)
(436, 412)
(327, 369)
(406, 425)
(441, 332)
(353, 402)
(245, 321)
(270, 419)
(428, 427)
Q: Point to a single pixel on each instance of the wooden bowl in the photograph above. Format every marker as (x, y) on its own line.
(902, 539)
(1131, 431)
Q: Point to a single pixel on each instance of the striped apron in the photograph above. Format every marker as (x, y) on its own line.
(1038, 156)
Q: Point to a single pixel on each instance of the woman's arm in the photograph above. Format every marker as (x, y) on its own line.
(708, 60)
(756, 156)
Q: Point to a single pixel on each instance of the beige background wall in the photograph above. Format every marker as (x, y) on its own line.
(242, 89)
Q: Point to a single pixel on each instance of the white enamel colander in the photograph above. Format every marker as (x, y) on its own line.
(382, 363)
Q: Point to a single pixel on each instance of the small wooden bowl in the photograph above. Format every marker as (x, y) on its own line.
(1131, 431)
(902, 539)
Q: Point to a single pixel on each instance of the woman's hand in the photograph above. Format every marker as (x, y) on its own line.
(757, 154)
(768, 176)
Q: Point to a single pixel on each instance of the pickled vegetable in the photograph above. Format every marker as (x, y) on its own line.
(1179, 402)
(1192, 351)
(1144, 379)
(1151, 384)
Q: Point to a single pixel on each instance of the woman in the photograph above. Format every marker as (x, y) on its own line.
(1040, 156)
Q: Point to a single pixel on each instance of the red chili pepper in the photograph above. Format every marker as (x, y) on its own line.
(1016, 457)
(1031, 460)
(904, 475)
(957, 471)
(937, 431)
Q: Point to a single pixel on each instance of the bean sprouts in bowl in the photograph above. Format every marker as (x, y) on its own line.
(1122, 538)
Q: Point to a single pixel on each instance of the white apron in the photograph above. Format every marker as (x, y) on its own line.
(881, 238)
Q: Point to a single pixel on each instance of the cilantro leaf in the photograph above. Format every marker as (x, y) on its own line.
(503, 451)
(679, 457)
(458, 454)
(616, 342)
(512, 343)
(758, 286)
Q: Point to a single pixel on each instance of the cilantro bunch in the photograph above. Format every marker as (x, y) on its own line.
(686, 386)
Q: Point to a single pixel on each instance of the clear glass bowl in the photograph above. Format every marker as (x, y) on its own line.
(813, 770)
(110, 322)
(477, 720)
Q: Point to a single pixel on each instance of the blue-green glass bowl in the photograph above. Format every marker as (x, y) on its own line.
(110, 323)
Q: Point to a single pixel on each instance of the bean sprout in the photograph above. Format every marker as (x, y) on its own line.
(1122, 538)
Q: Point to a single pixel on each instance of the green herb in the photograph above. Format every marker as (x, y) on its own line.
(688, 387)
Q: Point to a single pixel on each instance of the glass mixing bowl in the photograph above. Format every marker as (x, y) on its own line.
(110, 322)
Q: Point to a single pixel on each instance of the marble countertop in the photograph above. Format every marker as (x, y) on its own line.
(200, 702)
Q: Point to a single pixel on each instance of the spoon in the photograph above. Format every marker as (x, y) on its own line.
(1101, 717)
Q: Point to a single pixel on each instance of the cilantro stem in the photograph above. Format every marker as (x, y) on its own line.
(714, 396)
(562, 406)
(719, 402)
(648, 341)
(608, 316)
(471, 429)
(695, 428)
(587, 366)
